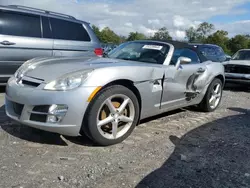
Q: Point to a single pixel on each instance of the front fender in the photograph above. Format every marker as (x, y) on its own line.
(103, 76)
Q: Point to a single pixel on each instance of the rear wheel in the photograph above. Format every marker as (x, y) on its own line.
(213, 96)
(112, 115)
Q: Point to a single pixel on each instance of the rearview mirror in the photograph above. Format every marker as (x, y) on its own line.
(182, 60)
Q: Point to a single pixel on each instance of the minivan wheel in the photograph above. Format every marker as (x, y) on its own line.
(112, 115)
(213, 96)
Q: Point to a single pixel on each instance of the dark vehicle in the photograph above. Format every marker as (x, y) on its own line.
(237, 70)
(212, 52)
(26, 33)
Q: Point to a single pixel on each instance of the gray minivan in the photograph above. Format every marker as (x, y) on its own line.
(26, 33)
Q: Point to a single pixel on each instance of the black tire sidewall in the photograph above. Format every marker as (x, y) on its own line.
(91, 124)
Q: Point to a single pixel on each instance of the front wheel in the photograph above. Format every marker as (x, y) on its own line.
(213, 96)
(112, 115)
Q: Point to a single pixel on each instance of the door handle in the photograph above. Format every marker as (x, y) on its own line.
(7, 43)
(201, 70)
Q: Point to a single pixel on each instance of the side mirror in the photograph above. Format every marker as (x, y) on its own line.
(182, 60)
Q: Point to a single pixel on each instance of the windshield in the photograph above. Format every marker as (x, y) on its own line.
(242, 55)
(147, 52)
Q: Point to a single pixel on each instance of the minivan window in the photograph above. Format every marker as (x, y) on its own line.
(19, 24)
(66, 30)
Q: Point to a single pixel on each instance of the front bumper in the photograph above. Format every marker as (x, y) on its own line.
(237, 78)
(20, 101)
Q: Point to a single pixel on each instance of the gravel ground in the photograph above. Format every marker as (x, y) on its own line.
(179, 149)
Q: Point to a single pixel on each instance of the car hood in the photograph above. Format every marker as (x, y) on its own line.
(52, 68)
(238, 62)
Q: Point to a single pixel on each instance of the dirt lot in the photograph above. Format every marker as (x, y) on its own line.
(179, 149)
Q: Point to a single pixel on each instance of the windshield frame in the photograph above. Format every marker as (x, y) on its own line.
(166, 47)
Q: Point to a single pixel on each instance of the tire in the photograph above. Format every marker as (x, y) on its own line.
(92, 115)
(205, 106)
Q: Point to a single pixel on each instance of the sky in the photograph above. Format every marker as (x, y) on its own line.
(147, 16)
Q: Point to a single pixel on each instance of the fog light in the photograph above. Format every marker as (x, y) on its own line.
(52, 119)
(57, 112)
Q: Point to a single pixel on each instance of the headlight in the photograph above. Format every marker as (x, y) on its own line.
(69, 81)
(23, 68)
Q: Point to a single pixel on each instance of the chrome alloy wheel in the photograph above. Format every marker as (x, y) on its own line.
(215, 96)
(115, 116)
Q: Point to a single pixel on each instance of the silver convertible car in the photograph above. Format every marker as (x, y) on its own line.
(104, 98)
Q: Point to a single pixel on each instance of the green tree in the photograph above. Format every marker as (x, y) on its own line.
(109, 36)
(219, 38)
(239, 42)
(106, 35)
(205, 29)
(192, 35)
(136, 36)
(162, 34)
(200, 34)
(97, 31)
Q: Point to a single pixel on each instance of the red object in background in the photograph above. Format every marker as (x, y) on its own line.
(99, 52)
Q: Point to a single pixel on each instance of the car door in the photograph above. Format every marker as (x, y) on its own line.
(21, 39)
(179, 81)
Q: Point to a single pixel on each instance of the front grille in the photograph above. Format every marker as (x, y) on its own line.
(29, 83)
(241, 69)
(18, 108)
(40, 117)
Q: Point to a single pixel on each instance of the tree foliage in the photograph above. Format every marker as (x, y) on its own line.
(162, 34)
(239, 42)
(106, 35)
(136, 36)
(192, 35)
(201, 33)
(220, 38)
(205, 29)
(204, 33)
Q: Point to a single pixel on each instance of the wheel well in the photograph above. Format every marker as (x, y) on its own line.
(221, 78)
(129, 84)
(126, 83)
